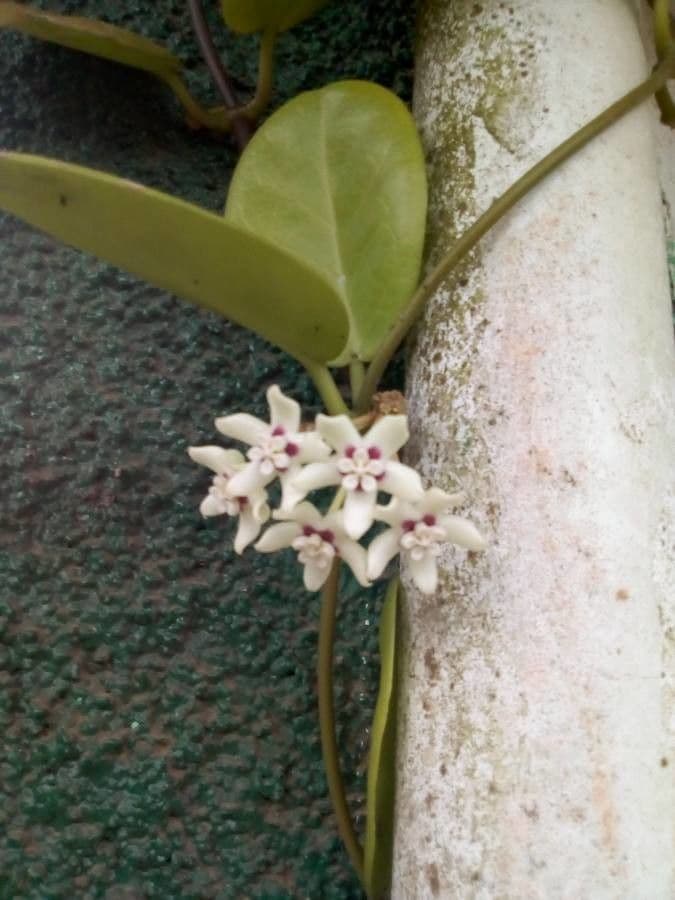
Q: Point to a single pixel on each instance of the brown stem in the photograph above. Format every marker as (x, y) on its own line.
(331, 758)
(242, 129)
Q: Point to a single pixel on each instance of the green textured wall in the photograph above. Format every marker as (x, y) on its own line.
(157, 707)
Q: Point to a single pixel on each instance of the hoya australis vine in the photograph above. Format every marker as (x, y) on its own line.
(319, 250)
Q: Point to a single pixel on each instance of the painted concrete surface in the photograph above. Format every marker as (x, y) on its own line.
(537, 752)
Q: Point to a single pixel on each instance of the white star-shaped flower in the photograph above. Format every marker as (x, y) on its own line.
(252, 508)
(416, 531)
(363, 465)
(318, 540)
(277, 449)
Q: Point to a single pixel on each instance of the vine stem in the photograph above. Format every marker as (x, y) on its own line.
(501, 206)
(331, 759)
(241, 127)
(663, 39)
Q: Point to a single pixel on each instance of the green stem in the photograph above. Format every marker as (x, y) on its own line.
(357, 372)
(662, 34)
(331, 759)
(501, 206)
(325, 385)
(663, 39)
(263, 90)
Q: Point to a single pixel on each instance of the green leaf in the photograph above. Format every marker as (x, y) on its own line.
(180, 248)
(382, 763)
(247, 16)
(337, 178)
(91, 36)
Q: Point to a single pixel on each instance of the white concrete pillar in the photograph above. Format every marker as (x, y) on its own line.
(537, 738)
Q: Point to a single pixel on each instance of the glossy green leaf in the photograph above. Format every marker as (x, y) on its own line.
(337, 178)
(247, 16)
(180, 248)
(379, 841)
(90, 36)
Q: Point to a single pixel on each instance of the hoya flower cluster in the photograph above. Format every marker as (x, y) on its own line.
(333, 454)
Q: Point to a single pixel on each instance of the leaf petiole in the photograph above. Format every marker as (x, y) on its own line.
(215, 119)
(357, 372)
(263, 91)
(326, 386)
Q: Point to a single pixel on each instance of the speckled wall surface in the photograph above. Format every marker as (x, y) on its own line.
(157, 709)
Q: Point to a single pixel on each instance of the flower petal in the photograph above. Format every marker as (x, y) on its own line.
(259, 507)
(315, 576)
(357, 559)
(247, 531)
(358, 512)
(244, 428)
(315, 476)
(304, 513)
(437, 501)
(290, 496)
(312, 447)
(382, 550)
(339, 431)
(389, 433)
(424, 572)
(403, 482)
(393, 513)
(212, 506)
(219, 460)
(463, 533)
(278, 536)
(284, 411)
(248, 480)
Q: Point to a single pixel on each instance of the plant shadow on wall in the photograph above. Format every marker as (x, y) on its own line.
(319, 252)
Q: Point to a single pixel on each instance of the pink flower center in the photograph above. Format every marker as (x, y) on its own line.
(421, 538)
(326, 534)
(362, 468)
(275, 452)
(291, 449)
(410, 524)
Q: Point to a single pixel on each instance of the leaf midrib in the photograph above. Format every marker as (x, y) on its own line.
(343, 282)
